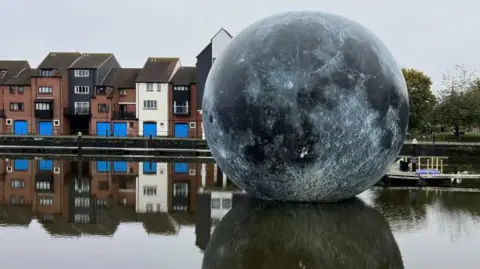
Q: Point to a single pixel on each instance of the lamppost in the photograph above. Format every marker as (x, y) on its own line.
(414, 157)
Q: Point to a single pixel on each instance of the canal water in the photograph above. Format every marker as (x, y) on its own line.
(101, 214)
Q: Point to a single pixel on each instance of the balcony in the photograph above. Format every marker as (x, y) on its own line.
(181, 110)
(44, 182)
(2, 113)
(44, 114)
(77, 111)
(123, 115)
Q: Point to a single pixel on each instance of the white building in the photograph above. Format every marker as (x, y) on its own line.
(205, 59)
(152, 187)
(152, 95)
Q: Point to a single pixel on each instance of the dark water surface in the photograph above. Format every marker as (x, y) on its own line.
(64, 214)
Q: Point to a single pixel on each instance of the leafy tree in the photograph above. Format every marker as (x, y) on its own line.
(460, 99)
(421, 98)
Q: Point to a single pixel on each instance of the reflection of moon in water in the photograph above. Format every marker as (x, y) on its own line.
(261, 234)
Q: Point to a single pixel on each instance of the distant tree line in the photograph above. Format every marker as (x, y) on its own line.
(455, 107)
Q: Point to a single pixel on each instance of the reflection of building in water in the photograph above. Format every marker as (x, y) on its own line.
(152, 187)
(211, 208)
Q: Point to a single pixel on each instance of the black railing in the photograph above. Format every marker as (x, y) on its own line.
(76, 111)
(44, 114)
(122, 115)
(181, 110)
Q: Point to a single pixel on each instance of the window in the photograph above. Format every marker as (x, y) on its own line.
(17, 184)
(46, 73)
(226, 203)
(82, 89)
(82, 107)
(149, 208)
(45, 89)
(20, 90)
(215, 203)
(81, 73)
(81, 218)
(159, 87)
(192, 125)
(46, 217)
(102, 107)
(103, 185)
(102, 203)
(16, 106)
(46, 201)
(149, 87)
(150, 190)
(149, 167)
(159, 208)
(42, 106)
(17, 200)
(180, 189)
(12, 89)
(180, 107)
(43, 185)
(82, 202)
(3, 73)
(180, 88)
(150, 104)
(123, 92)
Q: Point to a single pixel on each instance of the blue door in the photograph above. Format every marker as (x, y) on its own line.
(120, 129)
(45, 128)
(103, 166)
(149, 167)
(103, 128)
(181, 168)
(20, 127)
(46, 165)
(20, 165)
(181, 129)
(119, 166)
(149, 128)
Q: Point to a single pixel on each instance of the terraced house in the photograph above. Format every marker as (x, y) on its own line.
(15, 111)
(86, 72)
(114, 107)
(49, 84)
(152, 86)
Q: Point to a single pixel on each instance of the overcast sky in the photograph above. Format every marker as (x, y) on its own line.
(431, 35)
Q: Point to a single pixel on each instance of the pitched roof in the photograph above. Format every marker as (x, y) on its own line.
(157, 70)
(23, 77)
(185, 76)
(59, 60)
(121, 77)
(12, 68)
(159, 223)
(91, 60)
(222, 30)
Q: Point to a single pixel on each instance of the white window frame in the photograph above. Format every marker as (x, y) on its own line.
(82, 73)
(150, 190)
(44, 106)
(45, 89)
(149, 87)
(82, 89)
(153, 103)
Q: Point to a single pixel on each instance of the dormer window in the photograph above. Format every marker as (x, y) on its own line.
(46, 73)
(101, 91)
(81, 73)
(180, 88)
(3, 73)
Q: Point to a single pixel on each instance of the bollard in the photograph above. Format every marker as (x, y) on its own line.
(79, 143)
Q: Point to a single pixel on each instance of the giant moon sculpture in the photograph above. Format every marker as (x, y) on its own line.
(305, 106)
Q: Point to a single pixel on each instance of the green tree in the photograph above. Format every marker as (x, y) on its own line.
(459, 104)
(421, 98)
